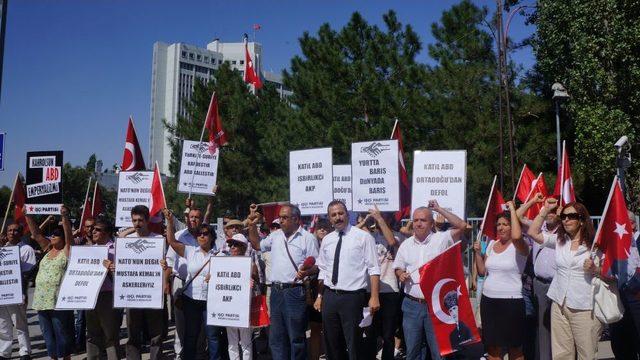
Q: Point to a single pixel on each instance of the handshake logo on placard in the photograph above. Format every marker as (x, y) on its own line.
(3, 253)
(375, 149)
(137, 177)
(200, 147)
(139, 246)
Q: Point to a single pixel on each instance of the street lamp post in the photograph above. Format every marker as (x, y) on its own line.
(559, 94)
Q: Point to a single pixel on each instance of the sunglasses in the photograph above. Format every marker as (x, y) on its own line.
(570, 216)
(204, 233)
(97, 229)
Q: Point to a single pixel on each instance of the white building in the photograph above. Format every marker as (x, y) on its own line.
(174, 71)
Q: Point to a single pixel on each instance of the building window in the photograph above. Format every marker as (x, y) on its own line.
(234, 62)
(206, 59)
(184, 54)
(199, 57)
(241, 62)
(219, 62)
(191, 56)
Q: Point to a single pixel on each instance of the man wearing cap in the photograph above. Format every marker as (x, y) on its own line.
(16, 315)
(348, 263)
(289, 247)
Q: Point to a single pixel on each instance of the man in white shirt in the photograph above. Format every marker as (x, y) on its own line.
(413, 253)
(289, 248)
(626, 332)
(348, 262)
(16, 315)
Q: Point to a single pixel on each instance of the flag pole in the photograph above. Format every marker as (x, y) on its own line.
(532, 188)
(486, 210)
(6, 213)
(204, 126)
(93, 201)
(84, 204)
(519, 180)
(562, 175)
(394, 128)
(604, 212)
(161, 186)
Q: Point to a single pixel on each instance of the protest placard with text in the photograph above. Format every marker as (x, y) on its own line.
(440, 176)
(134, 188)
(198, 168)
(138, 279)
(83, 278)
(375, 175)
(229, 292)
(10, 276)
(310, 180)
(44, 182)
(342, 184)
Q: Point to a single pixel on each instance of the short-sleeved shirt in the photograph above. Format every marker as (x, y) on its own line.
(48, 281)
(386, 254)
(301, 243)
(196, 258)
(174, 261)
(107, 285)
(413, 254)
(27, 256)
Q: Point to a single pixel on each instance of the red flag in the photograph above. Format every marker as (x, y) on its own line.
(405, 189)
(539, 186)
(443, 285)
(97, 207)
(614, 233)
(250, 75)
(157, 202)
(132, 160)
(564, 181)
(312, 224)
(19, 197)
(495, 206)
(257, 26)
(525, 184)
(271, 211)
(213, 123)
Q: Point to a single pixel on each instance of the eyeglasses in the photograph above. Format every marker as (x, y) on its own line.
(203, 233)
(97, 229)
(570, 216)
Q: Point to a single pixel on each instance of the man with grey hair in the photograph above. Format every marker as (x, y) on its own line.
(289, 246)
(626, 332)
(424, 245)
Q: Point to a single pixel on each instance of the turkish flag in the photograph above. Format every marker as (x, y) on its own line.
(250, 75)
(132, 160)
(271, 211)
(213, 123)
(614, 233)
(539, 186)
(443, 284)
(19, 197)
(157, 202)
(564, 182)
(405, 189)
(97, 207)
(495, 206)
(525, 183)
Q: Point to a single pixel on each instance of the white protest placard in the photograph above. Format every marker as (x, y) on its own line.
(198, 167)
(10, 276)
(342, 184)
(138, 278)
(310, 180)
(375, 178)
(440, 176)
(134, 188)
(229, 292)
(83, 279)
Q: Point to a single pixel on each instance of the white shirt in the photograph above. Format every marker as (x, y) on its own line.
(177, 263)
(27, 256)
(571, 284)
(504, 273)
(413, 254)
(301, 243)
(633, 263)
(386, 254)
(358, 259)
(196, 258)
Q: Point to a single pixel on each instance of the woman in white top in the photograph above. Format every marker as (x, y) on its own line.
(502, 307)
(573, 324)
(194, 296)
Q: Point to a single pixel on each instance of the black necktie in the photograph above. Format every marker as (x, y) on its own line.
(336, 261)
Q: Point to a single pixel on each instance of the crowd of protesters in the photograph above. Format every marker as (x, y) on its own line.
(535, 275)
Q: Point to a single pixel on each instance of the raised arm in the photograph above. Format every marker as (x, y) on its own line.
(68, 230)
(516, 231)
(177, 246)
(479, 258)
(458, 224)
(252, 220)
(384, 228)
(36, 234)
(535, 230)
(526, 206)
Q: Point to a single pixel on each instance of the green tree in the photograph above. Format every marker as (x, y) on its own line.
(593, 48)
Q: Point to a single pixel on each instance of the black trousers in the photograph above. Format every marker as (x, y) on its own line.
(139, 321)
(385, 325)
(341, 316)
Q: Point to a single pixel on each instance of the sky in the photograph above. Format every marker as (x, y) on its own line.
(75, 70)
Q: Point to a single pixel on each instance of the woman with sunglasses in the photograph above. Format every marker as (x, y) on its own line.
(573, 324)
(194, 295)
(502, 306)
(54, 324)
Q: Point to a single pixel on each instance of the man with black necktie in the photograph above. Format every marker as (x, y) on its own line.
(348, 263)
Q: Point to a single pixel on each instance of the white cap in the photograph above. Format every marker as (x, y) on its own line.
(239, 238)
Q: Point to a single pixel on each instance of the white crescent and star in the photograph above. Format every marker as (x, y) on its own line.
(621, 230)
(132, 150)
(437, 306)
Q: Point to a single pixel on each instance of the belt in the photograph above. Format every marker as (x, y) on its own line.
(282, 286)
(421, 301)
(543, 280)
(341, 292)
